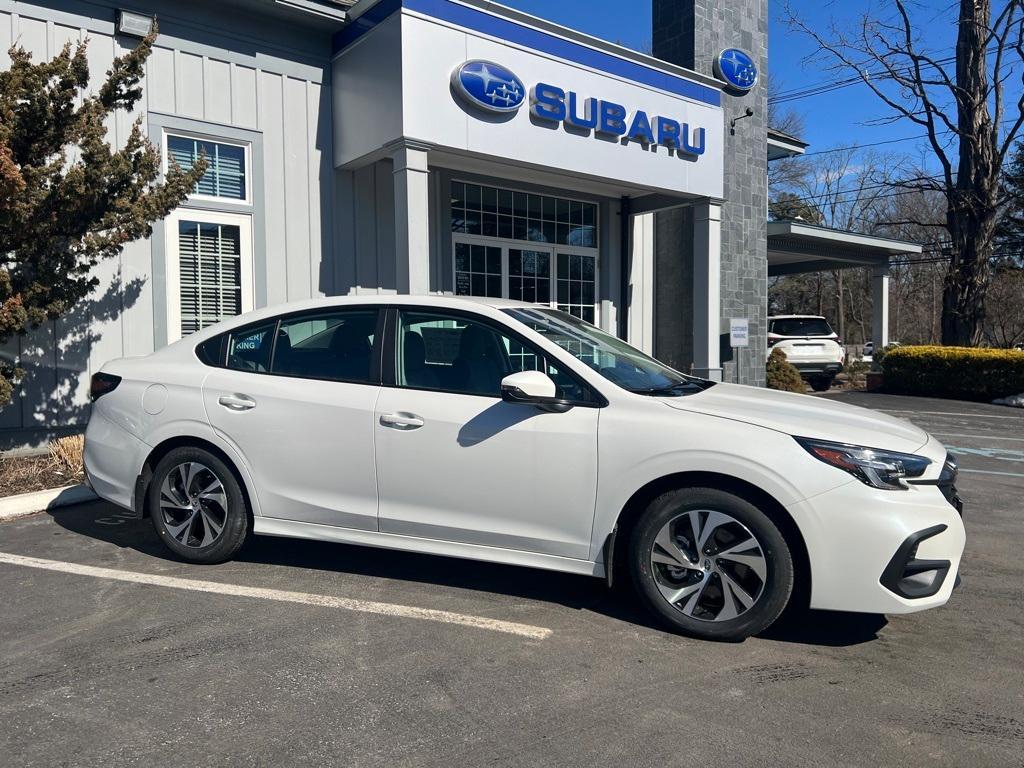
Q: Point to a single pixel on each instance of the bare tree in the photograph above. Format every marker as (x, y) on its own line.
(847, 189)
(916, 283)
(969, 126)
(1004, 326)
(787, 172)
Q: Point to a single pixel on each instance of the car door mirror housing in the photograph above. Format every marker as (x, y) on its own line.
(533, 388)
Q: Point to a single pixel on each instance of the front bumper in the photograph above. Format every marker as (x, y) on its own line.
(877, 551)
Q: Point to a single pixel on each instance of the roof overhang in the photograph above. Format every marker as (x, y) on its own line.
(782, 145)
(796, 247)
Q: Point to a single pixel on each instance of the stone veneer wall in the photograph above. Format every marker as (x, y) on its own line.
(691, 33)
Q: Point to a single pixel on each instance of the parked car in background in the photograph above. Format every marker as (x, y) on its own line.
(506, 432)
(868, 355)
(810, 345)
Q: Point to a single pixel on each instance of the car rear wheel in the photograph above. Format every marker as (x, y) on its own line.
(197, 506)
(710, 564)
(821, 383)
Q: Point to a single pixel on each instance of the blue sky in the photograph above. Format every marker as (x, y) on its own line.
(839, 118)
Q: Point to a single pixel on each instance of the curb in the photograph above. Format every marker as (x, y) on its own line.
(12, 507)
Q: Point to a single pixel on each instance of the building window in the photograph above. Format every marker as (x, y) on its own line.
(226, 177)
(209, 269)
(511, 215)
(576, 285)
(557, 268)
(477, 270)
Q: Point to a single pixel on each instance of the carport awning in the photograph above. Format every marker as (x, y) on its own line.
(796, 247)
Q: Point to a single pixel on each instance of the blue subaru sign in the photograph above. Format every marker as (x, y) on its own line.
(737, 68)
(495, 88)
(489, 86)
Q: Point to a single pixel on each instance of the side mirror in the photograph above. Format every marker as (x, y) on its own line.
(533, 388)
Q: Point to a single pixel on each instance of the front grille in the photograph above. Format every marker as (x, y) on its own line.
(947, 483)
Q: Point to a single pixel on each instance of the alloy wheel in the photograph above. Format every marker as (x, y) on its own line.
(194, 504)
(708, 565)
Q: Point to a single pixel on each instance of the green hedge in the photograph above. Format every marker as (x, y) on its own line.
(964, 373)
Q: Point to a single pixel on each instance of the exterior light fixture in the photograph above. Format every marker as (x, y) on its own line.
(748, 112)
(133, 24)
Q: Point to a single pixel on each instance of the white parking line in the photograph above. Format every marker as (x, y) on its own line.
(961, 415)
(991, 472)
(324, 601)
(980, 437)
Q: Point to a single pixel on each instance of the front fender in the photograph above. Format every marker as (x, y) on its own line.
(634, 454)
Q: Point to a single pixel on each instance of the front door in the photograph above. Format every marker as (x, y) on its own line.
(455, 462)
(296, 398)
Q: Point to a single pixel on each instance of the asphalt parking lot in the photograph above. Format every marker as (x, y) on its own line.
(516, 667)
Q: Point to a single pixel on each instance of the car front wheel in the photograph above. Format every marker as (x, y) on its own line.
(710, 564)
(197, 506)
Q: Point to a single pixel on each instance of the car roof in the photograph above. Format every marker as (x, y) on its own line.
(364, 300)
(796, 317)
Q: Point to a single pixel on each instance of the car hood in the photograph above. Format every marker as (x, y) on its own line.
(804, 416)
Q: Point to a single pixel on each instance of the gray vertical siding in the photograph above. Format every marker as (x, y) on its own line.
(235, 72)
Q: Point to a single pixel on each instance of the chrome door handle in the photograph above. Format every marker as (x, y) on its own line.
(402, 420)
(237, 402)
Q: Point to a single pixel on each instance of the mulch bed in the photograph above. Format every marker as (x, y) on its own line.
(22, 474)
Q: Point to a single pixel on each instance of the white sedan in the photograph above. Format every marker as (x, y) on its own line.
(511, 433)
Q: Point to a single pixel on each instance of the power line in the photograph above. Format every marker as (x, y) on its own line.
(825, 86)
(841, 192)
(829, 86)
(884, 141)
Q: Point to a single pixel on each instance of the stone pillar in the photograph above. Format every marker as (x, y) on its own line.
(880, 306)
(412, 218)
(692, 33)
(707, 272)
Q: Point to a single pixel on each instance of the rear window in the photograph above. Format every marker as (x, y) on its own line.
(211, 352)
(801, 326)
(249, 348)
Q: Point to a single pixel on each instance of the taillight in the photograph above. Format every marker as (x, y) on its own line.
(102, 383)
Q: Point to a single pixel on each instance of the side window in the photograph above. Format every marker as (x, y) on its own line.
(335, 345)
(249, 348)
(567, 386)
(211, 351)
(451, 353)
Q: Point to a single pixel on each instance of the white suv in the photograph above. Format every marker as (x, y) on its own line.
(511, 433)
(810, 345)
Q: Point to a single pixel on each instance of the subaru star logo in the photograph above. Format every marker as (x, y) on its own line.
(737, 68)
(489, 86)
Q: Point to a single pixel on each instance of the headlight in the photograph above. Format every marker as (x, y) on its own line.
(879, 469)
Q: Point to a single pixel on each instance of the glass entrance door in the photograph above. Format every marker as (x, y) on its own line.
(529, 275)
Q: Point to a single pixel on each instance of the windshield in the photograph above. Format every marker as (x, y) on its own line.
(613, 358)
(801, 326)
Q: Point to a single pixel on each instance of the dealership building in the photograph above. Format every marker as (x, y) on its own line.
(439, 147)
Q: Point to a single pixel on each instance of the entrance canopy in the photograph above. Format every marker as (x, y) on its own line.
(475, 81)
(796, 247)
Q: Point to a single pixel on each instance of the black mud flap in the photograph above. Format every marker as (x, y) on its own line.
(609, 557)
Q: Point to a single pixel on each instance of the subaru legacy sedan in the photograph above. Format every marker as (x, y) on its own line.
(511, 433)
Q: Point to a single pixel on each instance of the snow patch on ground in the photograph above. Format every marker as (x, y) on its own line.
(1017, 401)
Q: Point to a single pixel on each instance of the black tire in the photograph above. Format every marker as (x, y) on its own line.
(650, 578)
(233, 515)
(821, 383)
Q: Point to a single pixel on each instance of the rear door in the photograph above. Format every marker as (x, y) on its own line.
(296, 395)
